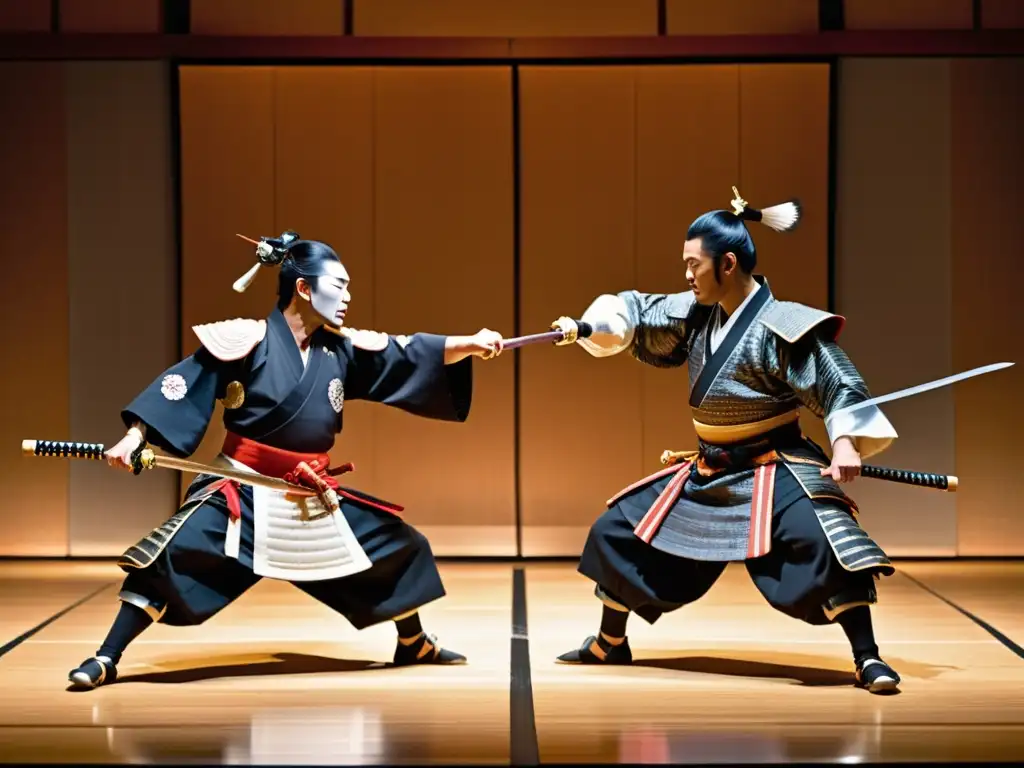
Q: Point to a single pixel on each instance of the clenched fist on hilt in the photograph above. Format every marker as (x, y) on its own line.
(570, 330)
(120, 456)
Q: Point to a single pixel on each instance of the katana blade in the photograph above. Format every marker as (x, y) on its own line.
(916, 390)
(147, 459)
(150, 459)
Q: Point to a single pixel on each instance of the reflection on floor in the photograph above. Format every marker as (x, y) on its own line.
(277, 678)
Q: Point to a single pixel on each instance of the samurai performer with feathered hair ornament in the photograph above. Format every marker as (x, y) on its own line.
(283, 381)
(757, 490)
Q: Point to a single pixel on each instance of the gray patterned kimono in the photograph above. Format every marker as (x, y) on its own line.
(758, 368)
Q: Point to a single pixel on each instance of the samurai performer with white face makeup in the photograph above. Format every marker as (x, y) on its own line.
(283, 381)
(756, 491)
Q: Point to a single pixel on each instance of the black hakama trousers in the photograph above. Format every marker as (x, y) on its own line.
(798, 576)
(193, 579)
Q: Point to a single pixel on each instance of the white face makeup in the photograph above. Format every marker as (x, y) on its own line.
(330, 296)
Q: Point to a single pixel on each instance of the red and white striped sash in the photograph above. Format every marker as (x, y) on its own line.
(761, 505)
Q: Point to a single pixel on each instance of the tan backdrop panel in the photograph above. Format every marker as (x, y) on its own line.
(784, 154)
(267, 17)
(111, 16)
(444, 264)
(739, 17)
(1002, 14)
(25, 15)
(908, 14)
(227, 177)
(581, 418)
(895, 288)
(987, 106)
(122, 299)
(323, 156)
(683, 166)
(505, 18)
(34, 310)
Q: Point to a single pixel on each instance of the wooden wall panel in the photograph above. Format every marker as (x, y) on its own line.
(683, 167)
(784, 154)
(267, 17)
(741, 17)
(35, 377)
(323, 172)
(123, 301)
(444, 264)
(1002, 14)
(228, 186)
(581, 429)
(505, 18)
(987, 104)
(25, 15)
(111, 16)
(895, 288)
(908, 14)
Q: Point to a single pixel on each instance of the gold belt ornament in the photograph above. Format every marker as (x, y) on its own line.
(723, 434)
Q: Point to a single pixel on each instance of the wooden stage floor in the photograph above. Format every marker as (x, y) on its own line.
(276, 678)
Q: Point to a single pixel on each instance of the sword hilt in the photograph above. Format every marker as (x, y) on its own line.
(141, 458)
(909, 477)
(93, 451)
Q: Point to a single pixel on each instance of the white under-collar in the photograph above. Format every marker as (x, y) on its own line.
(719, 331)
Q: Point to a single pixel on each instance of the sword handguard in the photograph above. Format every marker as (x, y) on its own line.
(142, 458)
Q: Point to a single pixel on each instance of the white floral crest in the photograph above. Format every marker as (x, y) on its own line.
(173, 386)
(336, 394)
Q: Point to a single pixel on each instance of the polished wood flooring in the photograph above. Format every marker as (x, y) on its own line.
(277, 678)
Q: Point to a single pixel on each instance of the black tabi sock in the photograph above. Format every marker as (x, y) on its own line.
(856, 622)
(409, 627)
(613, 623)
(129, 624)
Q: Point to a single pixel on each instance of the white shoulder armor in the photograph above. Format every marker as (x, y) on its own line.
(371, 341)
(229, 340)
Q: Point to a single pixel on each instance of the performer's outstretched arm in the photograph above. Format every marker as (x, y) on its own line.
(654, 328)
(424, 374)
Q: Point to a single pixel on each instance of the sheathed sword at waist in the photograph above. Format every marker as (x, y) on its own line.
(906, 476)
(148, 459)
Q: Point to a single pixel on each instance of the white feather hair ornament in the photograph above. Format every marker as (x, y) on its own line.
(267, 255)
(782, 217)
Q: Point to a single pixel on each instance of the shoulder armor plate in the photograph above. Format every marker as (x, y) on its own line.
(679, 305)
(791, 321)
(229, 340)
(372, 341)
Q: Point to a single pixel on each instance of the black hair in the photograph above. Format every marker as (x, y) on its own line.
(298, 258)
(723, 232)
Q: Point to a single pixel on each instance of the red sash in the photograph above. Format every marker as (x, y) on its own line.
(286, 465)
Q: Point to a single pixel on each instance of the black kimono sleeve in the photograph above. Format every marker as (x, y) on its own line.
(177, 407)
(409, 373)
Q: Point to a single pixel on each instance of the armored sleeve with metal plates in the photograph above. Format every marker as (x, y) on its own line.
(663, 326)
(820, 374)
(825, 380)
